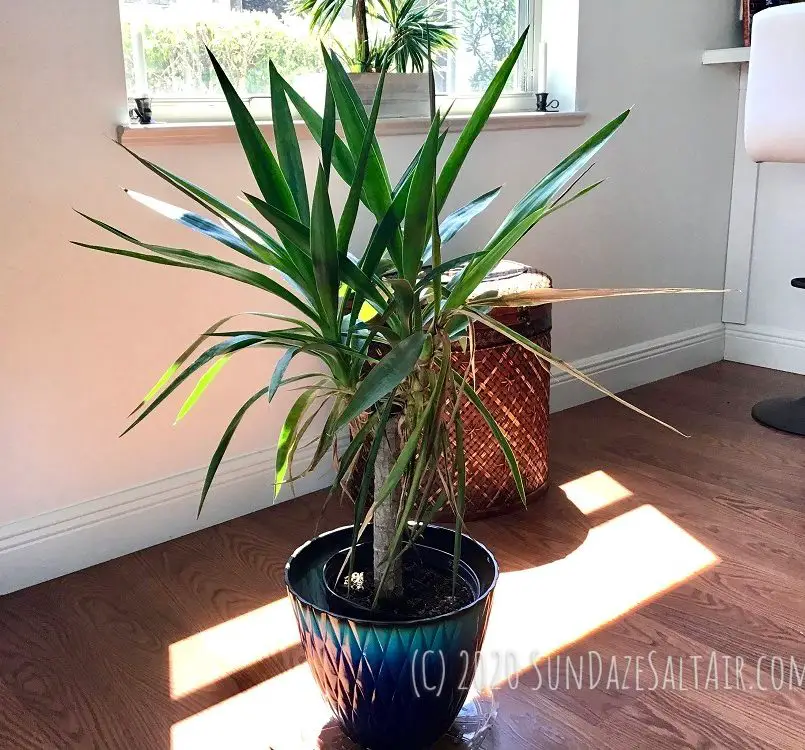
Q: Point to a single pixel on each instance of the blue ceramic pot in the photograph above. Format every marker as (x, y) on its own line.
(391, 685)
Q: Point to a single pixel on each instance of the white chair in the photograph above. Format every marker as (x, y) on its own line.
(775, 131)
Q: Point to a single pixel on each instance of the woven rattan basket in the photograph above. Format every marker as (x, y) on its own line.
(515, 388)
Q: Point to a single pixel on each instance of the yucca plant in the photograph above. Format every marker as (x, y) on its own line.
(412, 31)
(381, 321)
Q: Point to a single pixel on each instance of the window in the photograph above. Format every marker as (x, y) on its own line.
(164, 40)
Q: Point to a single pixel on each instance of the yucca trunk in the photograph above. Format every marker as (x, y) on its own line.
(386, 516)
(362, 32)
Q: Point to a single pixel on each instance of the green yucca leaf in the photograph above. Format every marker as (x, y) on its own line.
(193, 221)
(297, 278)
(342, 157)
(212, 330)
(456, 221)
(418, 207)
(316, 344)
(266, 171)
(297, 233)
(550, 186)
(328, 433)
(386, 229)
(385, 376)
(162, 382)
(350, 453)
(354, 122)
(186, 259)
(296, 272)
(228, 347)
(442, 269)
(324, 250)
(403, 299)
(288, 436)
(528, 211)
(279, 371)
(223, 444)
(475, 124)
(328, 125)
(491, 257)
(288, 151)
(263, 245)
(383, 236)
(301, 431)
(201, 386)
(350, 212)
(356, 279)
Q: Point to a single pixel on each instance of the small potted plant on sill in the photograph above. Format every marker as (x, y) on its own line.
(371, 599)
(413, 32)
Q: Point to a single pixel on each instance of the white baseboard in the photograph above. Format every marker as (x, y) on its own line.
(763, 346)
(69, 539)
(639, 364)
(46, 546)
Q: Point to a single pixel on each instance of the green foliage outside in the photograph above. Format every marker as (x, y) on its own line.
(488, 29)
(178, 64)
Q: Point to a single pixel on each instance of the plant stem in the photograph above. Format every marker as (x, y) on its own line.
(386, 516)
(362, 34)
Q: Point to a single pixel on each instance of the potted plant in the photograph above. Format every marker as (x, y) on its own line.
(412, 32)
(391, 610)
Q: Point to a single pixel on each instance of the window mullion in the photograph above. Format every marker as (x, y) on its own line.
(138, 57)
(529, 16)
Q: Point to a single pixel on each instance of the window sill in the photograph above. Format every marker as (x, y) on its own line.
(183, 134)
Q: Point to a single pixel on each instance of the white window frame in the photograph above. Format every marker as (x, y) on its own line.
(187, 110)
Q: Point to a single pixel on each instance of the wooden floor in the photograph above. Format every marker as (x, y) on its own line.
(681, 552)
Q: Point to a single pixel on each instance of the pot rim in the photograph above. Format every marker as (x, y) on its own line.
(392, 623)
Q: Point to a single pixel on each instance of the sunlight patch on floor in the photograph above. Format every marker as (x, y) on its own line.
(622, 564)
(594, 492)
(285, 712)
(208, 656)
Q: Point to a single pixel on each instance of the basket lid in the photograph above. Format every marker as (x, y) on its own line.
(509, 277)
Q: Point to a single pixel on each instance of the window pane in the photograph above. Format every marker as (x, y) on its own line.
(487, 30)
(173, 33)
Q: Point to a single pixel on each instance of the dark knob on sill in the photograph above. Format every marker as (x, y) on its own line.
(798, 283)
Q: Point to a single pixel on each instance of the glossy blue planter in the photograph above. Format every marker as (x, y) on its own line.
(391, 685)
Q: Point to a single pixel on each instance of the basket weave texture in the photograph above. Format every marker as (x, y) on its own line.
(515, 388)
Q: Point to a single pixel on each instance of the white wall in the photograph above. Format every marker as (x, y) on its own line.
(85, 335)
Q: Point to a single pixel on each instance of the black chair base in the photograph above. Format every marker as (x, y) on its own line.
(784, 414)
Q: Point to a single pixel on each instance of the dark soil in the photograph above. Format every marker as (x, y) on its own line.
(428, 592)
